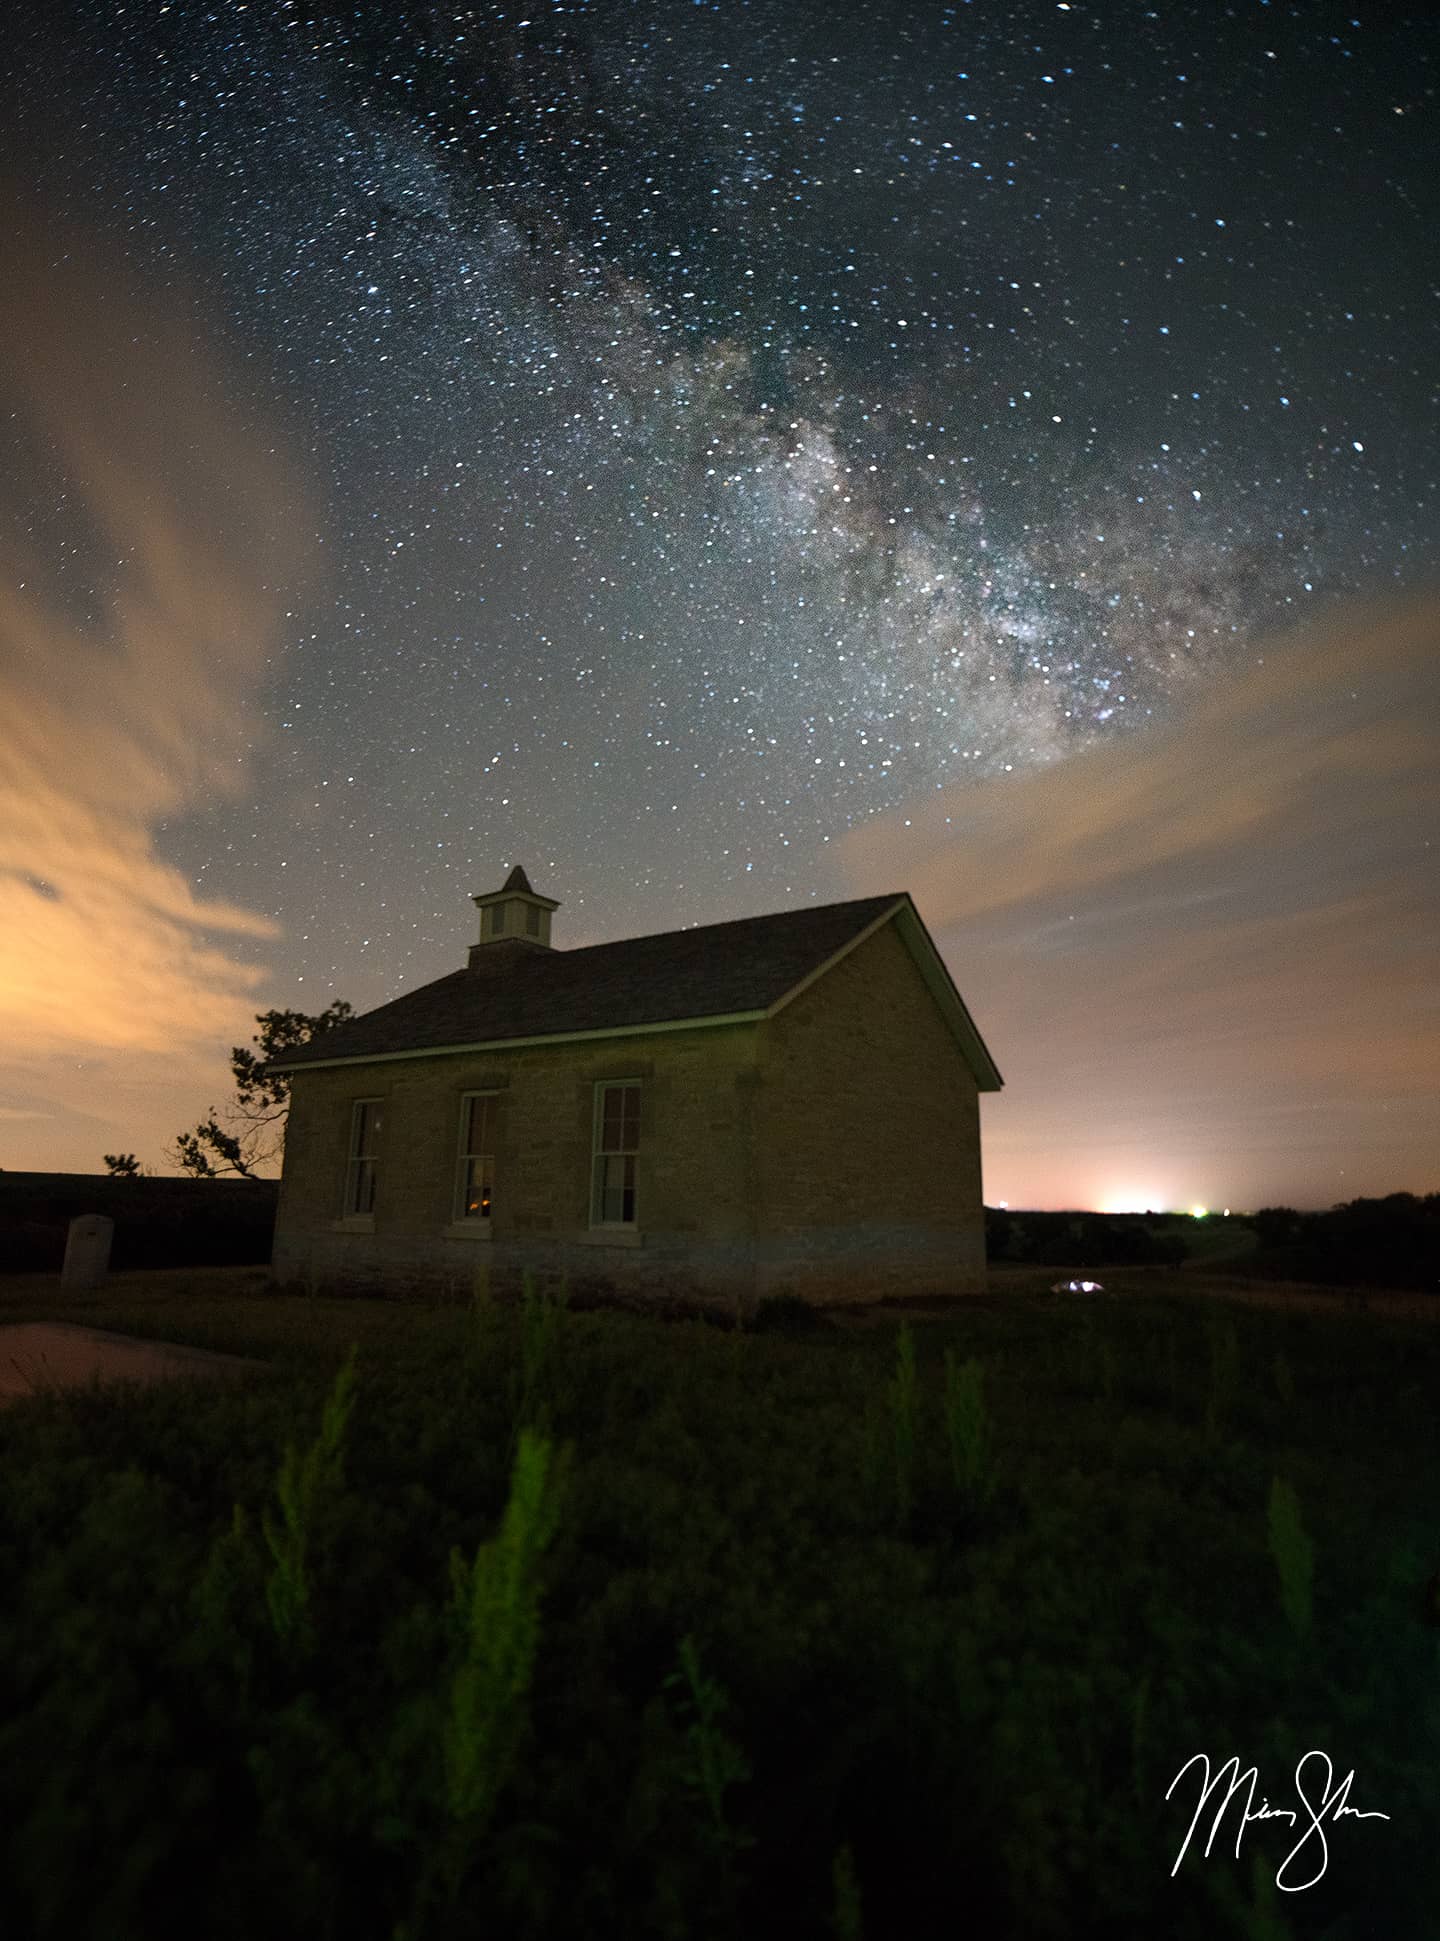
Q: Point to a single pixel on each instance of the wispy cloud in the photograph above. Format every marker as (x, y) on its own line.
(129, 663)
(1216, 938)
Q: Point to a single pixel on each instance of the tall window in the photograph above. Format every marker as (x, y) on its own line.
(364, 1144)
(617, 1141)
(497, 918)
(475, 1183)
(532, 920)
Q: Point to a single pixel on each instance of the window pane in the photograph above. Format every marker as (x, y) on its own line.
(532, 920)
(614, 1199)
(365, 1129)
(497, 918)
(478, 1188)
(620, 1118)
(362, 1192)
(615, 1196)
(477, 1125)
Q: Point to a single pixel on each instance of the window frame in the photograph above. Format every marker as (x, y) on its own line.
(356, 1160)
(600, 1152)
(463, 1156)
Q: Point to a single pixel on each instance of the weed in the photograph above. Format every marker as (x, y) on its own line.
(301, 1488)
(967, 1428)
(1257, 1916)
(541, 1322)
(1294, 1555)
(1284, 1379)
(1086, 1357)
(847, 1897)
(738, 1351)
(1263, 1920)
(1224, 1360)
(495, 1614)
(1139, 1728)
(788, 1314)
(872, 1453)
(715, 1760)
(901, 1397)
(1107, 1373)
(480, 1342)
(481, 1295)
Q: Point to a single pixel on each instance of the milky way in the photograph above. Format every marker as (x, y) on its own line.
(734, 422)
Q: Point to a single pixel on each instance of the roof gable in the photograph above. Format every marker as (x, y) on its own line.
(938, 981)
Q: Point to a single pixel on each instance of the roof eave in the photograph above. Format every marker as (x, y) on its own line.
(281, 1069)
(933, 969)
(481, 899)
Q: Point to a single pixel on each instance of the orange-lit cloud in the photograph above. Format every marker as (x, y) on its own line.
(126, 701)
(1205, 956)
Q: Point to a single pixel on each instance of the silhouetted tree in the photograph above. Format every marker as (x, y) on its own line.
(123, 1165)
(1389, 1242)
(253, 1132)
(1277, 1226)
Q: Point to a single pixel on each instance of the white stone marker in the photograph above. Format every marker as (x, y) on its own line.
(87, 1251)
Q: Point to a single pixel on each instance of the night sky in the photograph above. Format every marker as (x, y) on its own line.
(725, 457)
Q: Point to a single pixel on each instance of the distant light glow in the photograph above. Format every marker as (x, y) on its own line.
(1136, 1199)
(1198, 1212)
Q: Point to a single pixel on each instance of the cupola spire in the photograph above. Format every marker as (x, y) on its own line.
(513, 914)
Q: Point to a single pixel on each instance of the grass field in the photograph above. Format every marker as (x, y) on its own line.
(551, 1624)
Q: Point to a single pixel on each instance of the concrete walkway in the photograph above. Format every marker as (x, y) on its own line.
(40, 1355)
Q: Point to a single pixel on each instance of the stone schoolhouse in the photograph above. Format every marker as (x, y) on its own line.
(784, 1104)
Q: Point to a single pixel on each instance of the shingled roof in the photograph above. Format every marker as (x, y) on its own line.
(516, 991)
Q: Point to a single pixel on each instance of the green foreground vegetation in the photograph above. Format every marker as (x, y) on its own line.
(535, 1623)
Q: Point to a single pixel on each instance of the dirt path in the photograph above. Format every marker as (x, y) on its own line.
(40, 1355)
(1379, 1302)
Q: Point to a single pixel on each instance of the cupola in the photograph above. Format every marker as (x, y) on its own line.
(513, 914)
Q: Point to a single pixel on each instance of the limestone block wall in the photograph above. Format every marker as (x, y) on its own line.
(695, 1184)
(869, 1139)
